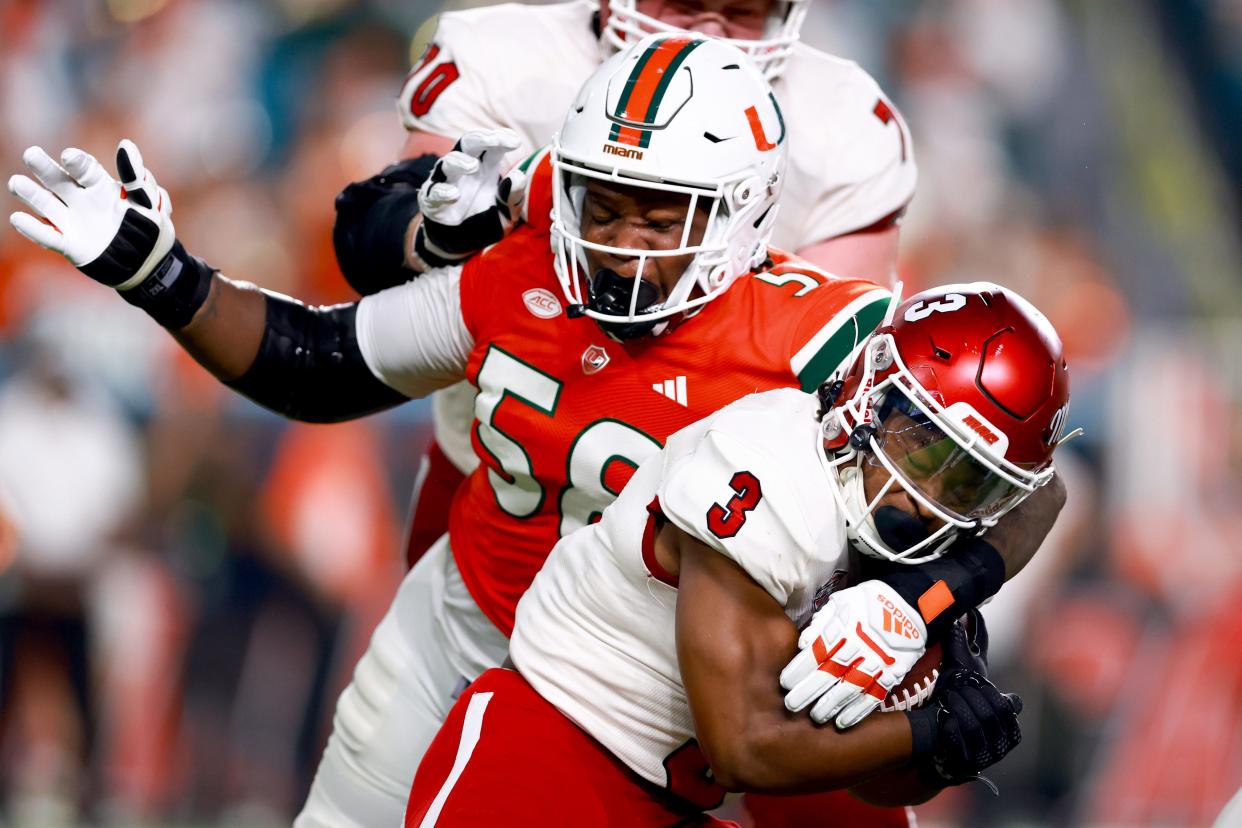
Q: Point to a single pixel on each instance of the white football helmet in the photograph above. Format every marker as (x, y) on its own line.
(627, 25)
(677, 113)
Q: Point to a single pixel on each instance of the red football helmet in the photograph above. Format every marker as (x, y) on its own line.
(960, 398)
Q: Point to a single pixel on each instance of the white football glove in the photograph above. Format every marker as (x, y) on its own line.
(114, 232)
(857, 648)
(466, 204)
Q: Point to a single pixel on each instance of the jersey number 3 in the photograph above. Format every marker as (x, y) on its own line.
(725, 521)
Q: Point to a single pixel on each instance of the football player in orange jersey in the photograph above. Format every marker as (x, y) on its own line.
(567, 407)
(478, 73)
(849, 185)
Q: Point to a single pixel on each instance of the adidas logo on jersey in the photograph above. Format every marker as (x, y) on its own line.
(674, 389)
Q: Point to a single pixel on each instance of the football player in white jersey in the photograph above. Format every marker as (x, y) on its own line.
(656, 635)
(516, 66)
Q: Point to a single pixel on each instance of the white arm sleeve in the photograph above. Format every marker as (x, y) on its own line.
(413, 336)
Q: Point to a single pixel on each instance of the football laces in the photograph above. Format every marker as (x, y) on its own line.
(911, 698)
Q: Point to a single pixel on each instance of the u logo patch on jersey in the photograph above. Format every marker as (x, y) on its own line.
(594, 358)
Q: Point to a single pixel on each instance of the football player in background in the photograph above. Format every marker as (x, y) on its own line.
(666, 251)
(516, 66)
(655, 636)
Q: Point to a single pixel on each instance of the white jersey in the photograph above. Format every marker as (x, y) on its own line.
(851, 164)
(518, 66)
(595, 633)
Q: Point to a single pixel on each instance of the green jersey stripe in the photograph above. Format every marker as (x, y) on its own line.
(526, 166)
(823, 354)
(530, 159)
(780, 116)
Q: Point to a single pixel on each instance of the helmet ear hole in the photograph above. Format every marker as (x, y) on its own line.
(861, 436)
(881, 354)
(745, 192)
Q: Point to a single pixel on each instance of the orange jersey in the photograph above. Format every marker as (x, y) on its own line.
(564, 414)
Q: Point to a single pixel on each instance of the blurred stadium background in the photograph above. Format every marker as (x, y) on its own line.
(186, 581)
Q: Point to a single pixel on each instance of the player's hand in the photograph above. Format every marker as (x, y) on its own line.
(856, 649)
(114, 232)
(466, 204)
(966, 645)
(968, 726)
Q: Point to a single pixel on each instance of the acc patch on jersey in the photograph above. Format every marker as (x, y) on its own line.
(542, 303)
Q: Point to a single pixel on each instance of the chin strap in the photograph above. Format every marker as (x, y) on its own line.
(608, 292)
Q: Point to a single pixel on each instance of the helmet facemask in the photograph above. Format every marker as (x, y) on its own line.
(894, 430)
(627, 25)
(739, 219)
(683, 127)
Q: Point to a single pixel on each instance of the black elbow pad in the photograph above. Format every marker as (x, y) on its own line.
(372, 217)
(309, 366)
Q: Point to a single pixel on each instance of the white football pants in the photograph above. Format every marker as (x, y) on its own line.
(432, 642)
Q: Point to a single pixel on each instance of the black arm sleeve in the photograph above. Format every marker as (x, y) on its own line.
(971, 572)
(309, 366)
(372, 217)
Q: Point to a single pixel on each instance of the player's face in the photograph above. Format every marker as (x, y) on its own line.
(743, 19)
(897, 442)
(639, 219)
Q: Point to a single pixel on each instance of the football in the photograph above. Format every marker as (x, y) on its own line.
(917, 686)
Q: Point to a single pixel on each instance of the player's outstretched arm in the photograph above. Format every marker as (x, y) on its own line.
(302, 362)
(868, 254)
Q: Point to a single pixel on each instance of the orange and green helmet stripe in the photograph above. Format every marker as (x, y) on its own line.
(644, 89)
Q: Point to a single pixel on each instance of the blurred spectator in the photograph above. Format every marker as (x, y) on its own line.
(71, 469)
(8, 534)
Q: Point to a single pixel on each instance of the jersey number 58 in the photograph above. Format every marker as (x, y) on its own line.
(599, 445)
